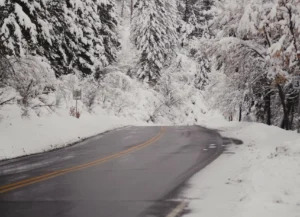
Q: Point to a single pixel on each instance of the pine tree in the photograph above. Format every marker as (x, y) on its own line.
(21, 25)
(86, 35)
(73, 35)
(203, 69)
(154, 34)
(205, 14)
(188, 9)
(197, 17)
(109, 22)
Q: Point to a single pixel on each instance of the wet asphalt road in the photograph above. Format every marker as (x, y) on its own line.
(150, 168)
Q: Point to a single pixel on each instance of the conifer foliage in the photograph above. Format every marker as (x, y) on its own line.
(71, 34)
(197, 17)
(154, 34)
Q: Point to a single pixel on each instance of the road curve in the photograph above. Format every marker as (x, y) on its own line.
(129, 172)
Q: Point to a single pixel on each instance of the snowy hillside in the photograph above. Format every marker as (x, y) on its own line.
(258, 178)
(171, 57)
(46, 54)
(153, 61)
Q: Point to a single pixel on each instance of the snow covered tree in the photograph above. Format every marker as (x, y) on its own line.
(73, 35)
(154, 34)
(86, 37)
(260, 42)
(204, 12)
(197, 17)
(203, 69)
(20, 25)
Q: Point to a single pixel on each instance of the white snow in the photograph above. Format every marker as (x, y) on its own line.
(2, 2)
(260, 178)
(19, 136)
(25, 21)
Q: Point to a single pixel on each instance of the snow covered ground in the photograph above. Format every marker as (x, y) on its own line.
(21, 136)
(122, 101)
(260, 178)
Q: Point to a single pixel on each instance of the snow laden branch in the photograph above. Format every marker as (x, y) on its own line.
(256, 47)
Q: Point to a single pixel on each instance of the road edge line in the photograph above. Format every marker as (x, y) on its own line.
(178, 210)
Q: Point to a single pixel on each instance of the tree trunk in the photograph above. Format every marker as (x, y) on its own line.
(268, 110)
(292, 115)
(298, 111)
(123, 8)
(292, 102)
(131, 9)
(186, 12)
(285, 121)
(240, 113)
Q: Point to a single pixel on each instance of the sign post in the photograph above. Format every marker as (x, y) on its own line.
(296, 82)
(299, 112)
(296, 86)
(77, 95)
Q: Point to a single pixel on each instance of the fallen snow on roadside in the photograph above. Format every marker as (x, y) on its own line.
(21, 136)
(260, 178)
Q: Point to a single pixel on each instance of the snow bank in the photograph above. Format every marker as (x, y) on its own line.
(260, 178)
(19, 136)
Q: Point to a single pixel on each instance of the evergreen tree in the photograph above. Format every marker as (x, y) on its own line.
(203, 69)
(204, 11)
(86, 31)
(197, 16)
(73, 35)
(21, 25)
(154, 34)
(109, 23)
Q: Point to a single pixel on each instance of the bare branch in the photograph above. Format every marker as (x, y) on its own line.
(7, 101)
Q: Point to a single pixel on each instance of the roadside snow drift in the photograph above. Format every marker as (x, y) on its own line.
(260, 178)
(19, 136)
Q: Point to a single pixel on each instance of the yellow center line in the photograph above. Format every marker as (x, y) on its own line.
(33, 180)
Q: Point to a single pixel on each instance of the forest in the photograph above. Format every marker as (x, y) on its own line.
(155, 60)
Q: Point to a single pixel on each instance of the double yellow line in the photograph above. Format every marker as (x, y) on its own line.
(33, 180)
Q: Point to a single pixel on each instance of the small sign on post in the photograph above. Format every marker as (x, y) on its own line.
(296, 82)
(77, 95)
